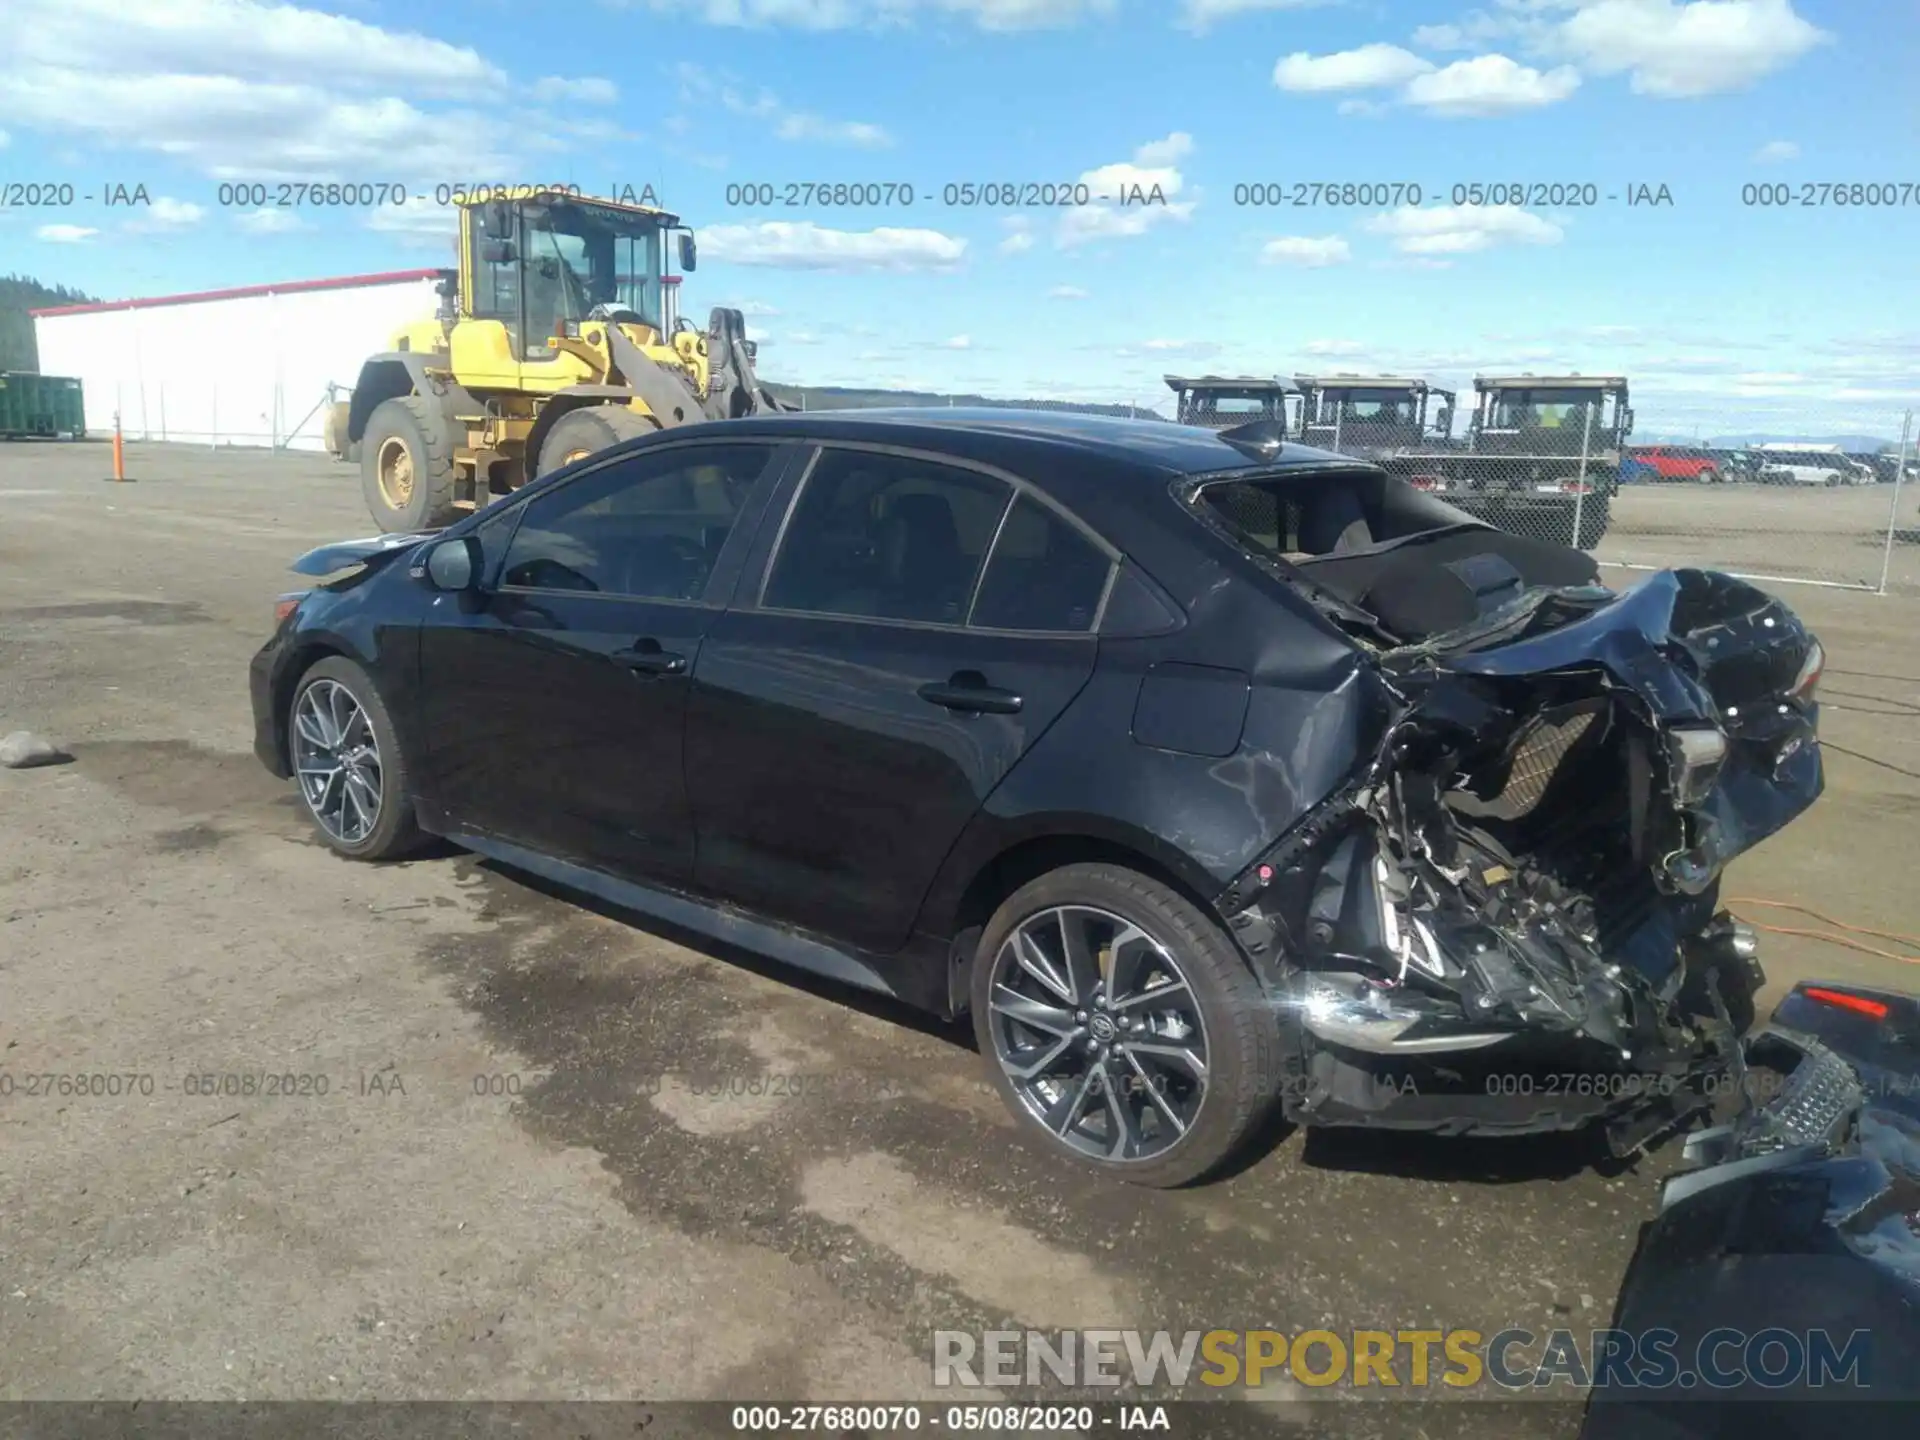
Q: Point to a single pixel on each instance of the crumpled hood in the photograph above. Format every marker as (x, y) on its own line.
(329, 559)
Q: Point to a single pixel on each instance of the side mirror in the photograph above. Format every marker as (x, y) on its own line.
(689, 254)
(455, 565)
(496, 252)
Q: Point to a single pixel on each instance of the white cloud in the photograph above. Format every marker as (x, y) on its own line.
(419, 224)
(1130, 197)
(1442, 37)
(702, 88)
(166, 213)
(1335, 348)
(1157, 153)
(1490, 85)
(802, 126)
(240, 88)
(805, 246)
(587, 89)
(269, 220)
(1066, 292)
(1462, 229)
(1366, 68)
(1015, 243)
(958, 342)
(1311, 251)
(1200, 16)
(1005, 15)
(5, 139)
(1176, 347)
(64, 234)
(1776, 152)
(1675, 50)
(752, 309)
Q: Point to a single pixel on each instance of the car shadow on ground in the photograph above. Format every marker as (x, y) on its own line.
(870, 1002)
(1406, 1154)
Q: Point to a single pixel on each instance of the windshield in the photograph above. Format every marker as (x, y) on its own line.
(582, 256)
(1548, 409)
(1253, 406)
(1368, 407)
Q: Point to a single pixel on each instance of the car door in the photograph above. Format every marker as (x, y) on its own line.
(879, 678)
(556, 702)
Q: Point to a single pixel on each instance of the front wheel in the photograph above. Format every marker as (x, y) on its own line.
(406, 467)
(1124, 1030)
(584, 432)
(353, 778)
(1711, 477)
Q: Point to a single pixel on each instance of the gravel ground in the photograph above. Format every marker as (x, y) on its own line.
(699, 1177)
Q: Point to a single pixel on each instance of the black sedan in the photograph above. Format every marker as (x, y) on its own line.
(1204, 772)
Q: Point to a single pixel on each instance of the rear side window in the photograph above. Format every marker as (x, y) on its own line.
(1044, 575)
(886, 537)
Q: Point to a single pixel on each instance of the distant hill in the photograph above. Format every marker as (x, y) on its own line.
(837, 397)
(18, 295)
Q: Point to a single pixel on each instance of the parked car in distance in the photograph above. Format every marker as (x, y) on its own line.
(1784, 463)
(1678, 462)
(1202, 772)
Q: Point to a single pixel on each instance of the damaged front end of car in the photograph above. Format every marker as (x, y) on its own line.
(1507, 920)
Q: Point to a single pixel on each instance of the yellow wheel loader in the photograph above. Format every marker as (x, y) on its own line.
(558, 335)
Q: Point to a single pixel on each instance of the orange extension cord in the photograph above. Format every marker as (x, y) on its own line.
(1823, 935)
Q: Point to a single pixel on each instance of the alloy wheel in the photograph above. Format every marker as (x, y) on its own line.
(1099, 1033)
(337, 759)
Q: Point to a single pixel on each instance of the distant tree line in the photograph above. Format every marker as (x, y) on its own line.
(19, 295)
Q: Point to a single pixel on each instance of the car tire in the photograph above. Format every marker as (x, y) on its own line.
(1711, 477)
(406, 467)
(335, 713)
(1180, 1131)
(584, 432)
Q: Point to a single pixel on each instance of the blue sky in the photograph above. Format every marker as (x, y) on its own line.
(1723, 313)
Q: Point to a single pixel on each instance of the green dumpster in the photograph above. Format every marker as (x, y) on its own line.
(41, 405)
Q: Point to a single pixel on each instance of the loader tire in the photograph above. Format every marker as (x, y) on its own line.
(406, 470)
(586, 431)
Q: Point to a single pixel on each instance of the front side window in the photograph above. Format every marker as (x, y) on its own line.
(886, 537)
(647, 527)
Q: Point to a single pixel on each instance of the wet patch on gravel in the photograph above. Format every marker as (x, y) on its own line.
(812, 1121)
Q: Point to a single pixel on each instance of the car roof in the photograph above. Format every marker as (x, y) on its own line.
(1023, 439)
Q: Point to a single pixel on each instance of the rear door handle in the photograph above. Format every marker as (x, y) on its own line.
(976, 697)
(648, 658)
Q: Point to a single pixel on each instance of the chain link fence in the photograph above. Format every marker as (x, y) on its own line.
(1840, 509)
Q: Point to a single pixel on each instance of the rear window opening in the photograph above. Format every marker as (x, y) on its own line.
(1414, 564)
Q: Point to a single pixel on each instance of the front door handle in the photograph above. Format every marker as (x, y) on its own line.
(647, 658)
(970, 692)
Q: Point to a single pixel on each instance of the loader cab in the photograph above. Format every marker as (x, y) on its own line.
(1365, 415)
(1551, 415)
(1222, 403)
(537, 267)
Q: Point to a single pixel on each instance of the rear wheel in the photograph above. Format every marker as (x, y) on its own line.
(581, 433)
(353, 777)
(406, 472)
(1123, 1029)
(1710, 477)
